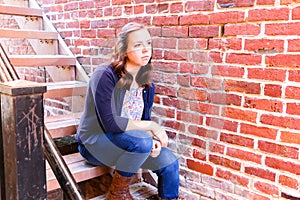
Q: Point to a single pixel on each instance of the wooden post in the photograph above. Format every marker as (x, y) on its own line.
(22, 119)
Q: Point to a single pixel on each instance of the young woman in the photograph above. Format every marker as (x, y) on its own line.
(116, 130)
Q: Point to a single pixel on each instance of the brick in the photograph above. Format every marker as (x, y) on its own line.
(235, 3)
(216, 148)
(166, 112)
(265, 2)
(263, 104)
(244, 155)
(273, 90)
(268, 14)
(73, 24)
(99, 23)
(242, 87)
(266, 188)
(237, 140)
(200, 167)
(204, 31)
(243, 58)
(194, 19)
(151, 9)
(200, 68)
(88, 33)
(245, 193)
(165, 43)
(288, 181)
(292, 92)
(143, 1)
(209, 83)
(232, 177)
(224, 99)
(279, 150)
(117, 22)
(176, 7)
(86, 4)
(120, 2)
(228, 71)
(192, 94)
(293, 108)
(180, 104)
(71, 6)
(139, 9)
(117, 11)
(264, 45)
(241, 29)
(207, 5)
(290, 28)
(174, 125)
(225, 44)
(165, 90)
(259, 131)
(287, 2)
(221, 124)
(225, 162)
(199, 155)
(81, 42)
(285, 122)
(186, 67)
(165, 20)
(176, 55)
(184, 80)
(189, 117)
(293, 45)
(163, 7)
(174, 31)
(102, 3)
(186, 43)
(296, 13)
(227, 17)
(170, 78)
(106, 32)
(166, 66)
(290, 137)
(204, 108)
(236, 113)
(210, 134)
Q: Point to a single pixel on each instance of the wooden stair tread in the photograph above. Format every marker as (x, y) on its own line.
(20, 11)
(41, 60)
(65, 89)
(32, 34)
(80, 169)
(59, 118)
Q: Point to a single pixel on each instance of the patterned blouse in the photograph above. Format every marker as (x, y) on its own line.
(133, 104)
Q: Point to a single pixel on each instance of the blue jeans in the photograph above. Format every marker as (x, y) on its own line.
(130, 151)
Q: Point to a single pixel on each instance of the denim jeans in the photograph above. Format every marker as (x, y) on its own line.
(130, 151)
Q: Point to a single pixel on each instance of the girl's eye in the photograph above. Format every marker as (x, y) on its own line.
(149, 43)
(137, 45)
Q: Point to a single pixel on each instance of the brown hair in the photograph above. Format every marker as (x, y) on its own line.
(119, 60)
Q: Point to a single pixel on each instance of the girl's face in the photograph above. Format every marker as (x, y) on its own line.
(139, 50)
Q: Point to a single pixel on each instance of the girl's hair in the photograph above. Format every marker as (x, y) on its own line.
(119, 60)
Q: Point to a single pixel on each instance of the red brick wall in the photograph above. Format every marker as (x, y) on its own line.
(227, 75)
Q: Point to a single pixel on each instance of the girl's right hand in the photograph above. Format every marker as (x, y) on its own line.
(162, 136)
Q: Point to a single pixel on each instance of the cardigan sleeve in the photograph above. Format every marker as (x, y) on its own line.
(103, 89)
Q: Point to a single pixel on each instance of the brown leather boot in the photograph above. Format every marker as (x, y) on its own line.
(119, 188)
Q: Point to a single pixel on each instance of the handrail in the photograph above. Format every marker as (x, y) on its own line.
(7, 72)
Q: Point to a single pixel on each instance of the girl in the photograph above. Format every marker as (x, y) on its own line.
(115, 128)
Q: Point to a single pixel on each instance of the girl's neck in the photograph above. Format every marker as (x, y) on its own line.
(132, 70)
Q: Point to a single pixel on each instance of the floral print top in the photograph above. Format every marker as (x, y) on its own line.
(133, 104)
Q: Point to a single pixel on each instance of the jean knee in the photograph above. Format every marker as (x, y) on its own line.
(142, 143)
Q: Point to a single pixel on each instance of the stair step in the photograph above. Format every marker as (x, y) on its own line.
(65, 89)
(31, 34)
(140, 190)
(20, 11)
(80, 169)
(41, 60)
(62, 125)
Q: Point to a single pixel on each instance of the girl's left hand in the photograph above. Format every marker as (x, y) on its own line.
(155, 148)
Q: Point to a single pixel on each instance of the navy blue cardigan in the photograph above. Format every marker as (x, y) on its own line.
(103, 106)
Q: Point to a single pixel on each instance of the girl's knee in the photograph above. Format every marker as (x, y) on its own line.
(142, 143)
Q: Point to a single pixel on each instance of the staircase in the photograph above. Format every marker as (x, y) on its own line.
(65, 79)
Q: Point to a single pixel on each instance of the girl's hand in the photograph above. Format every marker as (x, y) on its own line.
(155, 148)
(162, 137)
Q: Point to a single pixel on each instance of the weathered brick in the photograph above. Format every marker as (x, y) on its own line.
(200, 167)
(235, 3)
(218, 160)
(241, 29)
(199, 5)
(266, 188)
(289, 28)
(204, 31)
(227, 17)
(195, 19)
(259, 131)
(244, 155)
(265, 2)
(264, 45)
(268, 14)
(176, 7)
(263, 104)
(242, 86)
(192, 94)
(232, 177)
(224, 98)
(175, 31)
(285, 122)
(237, 140)
(225, 44)
(209, 83)
(288, 181)
(221, 124)
(228, 71)
(293, 108)
(246, 59)
(280, 150)
(165, 20)
(292, 92)
(290, 137)
(273, 90)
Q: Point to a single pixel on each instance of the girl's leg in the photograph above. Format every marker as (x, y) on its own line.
(126, 151)
(167, 169)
